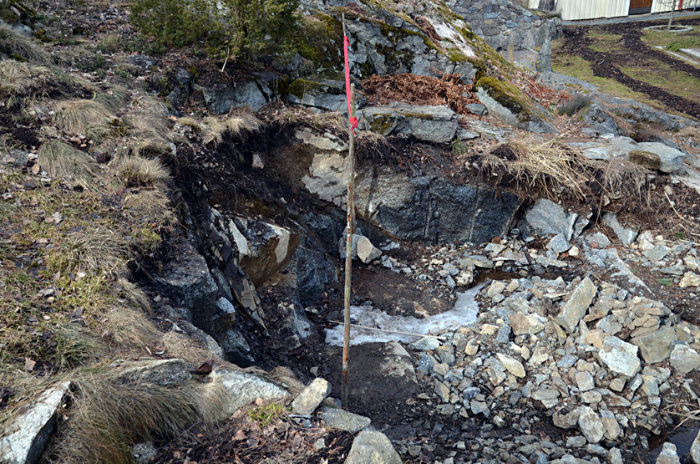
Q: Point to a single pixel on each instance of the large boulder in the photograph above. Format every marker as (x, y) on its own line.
(237, 389)
(512, 106)
(652, 155)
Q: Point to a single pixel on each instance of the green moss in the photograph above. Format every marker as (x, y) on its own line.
(382, 123)
(645, 158)
(455, 55)
(507, 95)
(319, 39)
(9, 16)
(300, 87)
(424, 116)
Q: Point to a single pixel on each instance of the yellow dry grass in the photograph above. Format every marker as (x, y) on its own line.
(546, 168)
(108, 415)
(62, 161)
(16, 45)
(215, 128)
(75, 116)
(136, 171)
(89, 250)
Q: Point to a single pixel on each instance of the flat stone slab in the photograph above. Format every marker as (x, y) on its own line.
(437, 124)
(309, 399)
(24, 440)
(344, 420)
(240, 389)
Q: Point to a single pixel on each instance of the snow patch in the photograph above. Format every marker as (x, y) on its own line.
(463, 314)
(447, 32)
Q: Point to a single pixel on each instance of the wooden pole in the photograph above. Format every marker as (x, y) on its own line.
(348, 246)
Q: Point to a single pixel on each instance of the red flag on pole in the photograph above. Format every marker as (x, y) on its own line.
(353, 121)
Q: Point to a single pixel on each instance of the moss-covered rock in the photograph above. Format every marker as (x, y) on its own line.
(508, 95)
(645, 158)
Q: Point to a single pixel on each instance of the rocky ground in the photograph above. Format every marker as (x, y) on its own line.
(527, 272)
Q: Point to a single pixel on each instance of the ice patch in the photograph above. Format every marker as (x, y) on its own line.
(463, 314)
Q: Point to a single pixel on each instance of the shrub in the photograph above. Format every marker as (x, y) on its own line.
(239, 29)
(171, 23)
(574, 104)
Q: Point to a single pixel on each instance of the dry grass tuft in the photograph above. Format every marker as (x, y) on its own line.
(546, 168)
(74, 346)
(148, 120)
(128, 329)
(93, 249)
(150, 203)
(113, 99)
(21, 81)
(16, 45)
(134, 296)
(62, 161)
(108, 415)
(135, 171)
(214, 129)
(75, 116)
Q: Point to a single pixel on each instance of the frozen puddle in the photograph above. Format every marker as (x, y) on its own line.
(463, 314)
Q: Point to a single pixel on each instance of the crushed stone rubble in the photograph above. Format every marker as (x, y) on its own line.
(604, 364)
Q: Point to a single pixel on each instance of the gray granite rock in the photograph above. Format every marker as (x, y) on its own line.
(590, 424)
(549, 218)
(577, 305)
(684, 359)
(656, 346)
(668, 455)
(344, 420)
(308, 400)
(619, 356)
(372, 448)
(238, 389)
(626, 235)
(695, 449)
(24, 440)
(157, 371)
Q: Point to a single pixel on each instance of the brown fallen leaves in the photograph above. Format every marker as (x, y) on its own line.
(447, 90)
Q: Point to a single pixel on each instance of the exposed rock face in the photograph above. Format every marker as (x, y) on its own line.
(422, 208)
(502, 23)
(187, 280)
(25, 440)
(437, 124)
(251, 94)
(402, 48)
